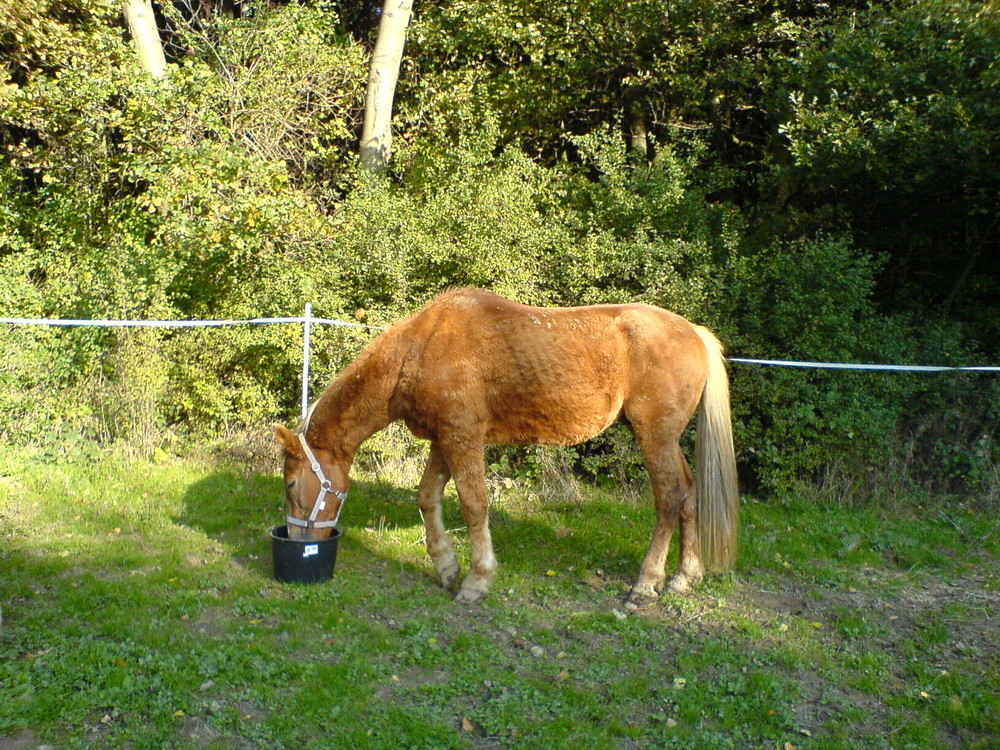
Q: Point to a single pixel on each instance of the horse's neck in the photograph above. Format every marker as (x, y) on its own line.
(355, 406)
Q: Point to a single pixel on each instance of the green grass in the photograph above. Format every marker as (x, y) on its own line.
(139, 611)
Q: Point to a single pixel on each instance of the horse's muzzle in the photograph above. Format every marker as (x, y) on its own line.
(300, 534)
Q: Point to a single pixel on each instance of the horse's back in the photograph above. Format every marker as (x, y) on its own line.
(523, 374)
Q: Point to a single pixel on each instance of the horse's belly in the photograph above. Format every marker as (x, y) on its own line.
(556, 422)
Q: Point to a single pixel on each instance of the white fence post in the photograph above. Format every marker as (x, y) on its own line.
(307, 324)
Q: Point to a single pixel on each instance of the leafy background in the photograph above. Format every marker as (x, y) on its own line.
(812, 180)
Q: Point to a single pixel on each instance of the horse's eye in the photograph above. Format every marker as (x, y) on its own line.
(291, 484)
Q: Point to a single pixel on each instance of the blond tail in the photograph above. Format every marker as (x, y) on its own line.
(715, 464)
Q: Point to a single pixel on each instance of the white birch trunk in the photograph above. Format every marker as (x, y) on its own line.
(142, 24)
(376, 135)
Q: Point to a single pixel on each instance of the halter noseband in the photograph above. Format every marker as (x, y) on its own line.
(325, 488)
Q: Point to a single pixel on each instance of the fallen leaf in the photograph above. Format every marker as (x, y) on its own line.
(550, 573)
(468, 726)
(178, 714)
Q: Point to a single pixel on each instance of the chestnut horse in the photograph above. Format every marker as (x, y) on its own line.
(473, 368)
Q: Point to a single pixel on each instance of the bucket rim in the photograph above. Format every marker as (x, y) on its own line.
(280, 533)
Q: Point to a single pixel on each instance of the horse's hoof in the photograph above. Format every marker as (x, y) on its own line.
(680, 585)
(449, 577)
(640, 600)
(469, 596)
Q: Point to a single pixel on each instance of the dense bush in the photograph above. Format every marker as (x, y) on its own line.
(187, 198)
(229, 190)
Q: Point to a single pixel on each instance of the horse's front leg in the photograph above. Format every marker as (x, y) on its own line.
(468, 468)
(430, 494)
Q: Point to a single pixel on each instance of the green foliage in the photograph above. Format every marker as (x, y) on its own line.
(183, 198)
(890, 98)
(893, 129)
(230, 190)
(464, 215)
(813, 301)
(39, 37)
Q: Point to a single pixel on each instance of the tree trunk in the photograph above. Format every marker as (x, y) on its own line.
(376, 136)
(142, 24)
(636, 135)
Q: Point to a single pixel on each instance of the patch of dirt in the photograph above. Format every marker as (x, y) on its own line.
(412, 678)
(196, 732)
(211, 622)
(969, 605)
(22, 741)
(891, 610)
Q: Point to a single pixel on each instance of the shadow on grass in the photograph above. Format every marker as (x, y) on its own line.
(237, 511)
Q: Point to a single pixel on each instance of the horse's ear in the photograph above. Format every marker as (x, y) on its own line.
(287, 440)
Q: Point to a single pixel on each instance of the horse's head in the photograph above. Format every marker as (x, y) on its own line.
(315, 487)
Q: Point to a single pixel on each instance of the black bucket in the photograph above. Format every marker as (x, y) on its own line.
(303, 562)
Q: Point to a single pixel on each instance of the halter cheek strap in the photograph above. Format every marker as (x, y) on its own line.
(325, 488)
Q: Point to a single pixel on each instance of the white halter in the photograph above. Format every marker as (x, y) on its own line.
(325, 488)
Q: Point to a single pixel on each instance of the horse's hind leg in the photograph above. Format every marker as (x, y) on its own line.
(690, 569)
(439, 546)
(673, 486)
